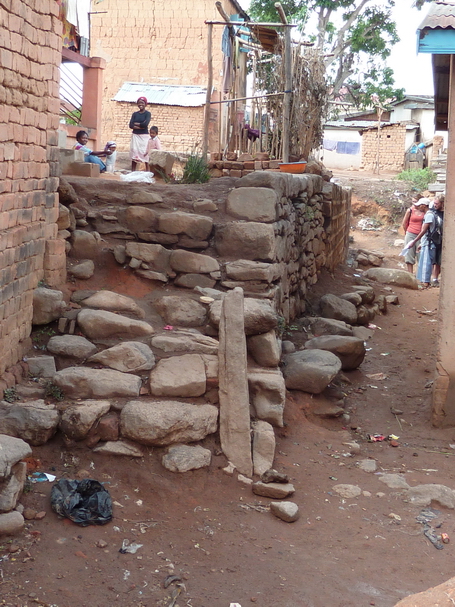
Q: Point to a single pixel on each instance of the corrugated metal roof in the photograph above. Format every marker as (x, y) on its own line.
(440, 15)
(355, 124)
(162, 94)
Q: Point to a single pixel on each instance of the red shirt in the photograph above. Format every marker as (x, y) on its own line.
(415, 221)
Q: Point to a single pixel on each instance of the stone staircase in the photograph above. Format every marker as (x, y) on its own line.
(439, 166)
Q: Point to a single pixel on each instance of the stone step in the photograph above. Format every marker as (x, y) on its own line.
(436, 187)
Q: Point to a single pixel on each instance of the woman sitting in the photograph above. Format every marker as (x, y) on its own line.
(90, 155)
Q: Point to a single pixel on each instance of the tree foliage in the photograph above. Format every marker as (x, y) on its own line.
(354, 36)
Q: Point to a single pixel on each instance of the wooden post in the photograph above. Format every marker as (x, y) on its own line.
(379, 111)
(443, 413)
(287, 83)
(205, 141)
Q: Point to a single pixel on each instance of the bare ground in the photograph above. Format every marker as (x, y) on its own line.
(220, 539)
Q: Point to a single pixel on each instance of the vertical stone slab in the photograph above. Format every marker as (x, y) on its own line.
(233, 389)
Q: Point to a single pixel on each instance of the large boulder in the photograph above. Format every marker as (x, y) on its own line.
(185, 341)
(248, 240)
(33, 421)
(265, 349)
(77, 420)
(181, 311)
(48, 305)
(253, 204)
(167, 422)
(245, 269)
(181, 458)
(84, 245)
(178, 222)
(186, 261)
(310, 370)
(179, 376)
(11, 489)
(11, 523)
(390, 276)
(337, 308)
(140, 219)
(260, 317)
(99, 324)
(161, 162)
(154, 255)
(263, 447)
(71, 346)
(12, 450)
(113, 302)
(83, 270)
(267, 395)
(329, 326)
(80, 382)
(350, 350)
(127, 357)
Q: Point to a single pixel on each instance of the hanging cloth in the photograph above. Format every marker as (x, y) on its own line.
(83, 18)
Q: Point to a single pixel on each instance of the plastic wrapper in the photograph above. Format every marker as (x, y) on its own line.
(85, 502)
(138, 177)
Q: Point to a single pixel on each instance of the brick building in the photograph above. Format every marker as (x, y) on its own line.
(30, 53)
(160, 44)
(391, 147)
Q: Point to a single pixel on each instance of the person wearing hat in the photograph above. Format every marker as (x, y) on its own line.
(412, 224)
(139, 123)
(428, 248)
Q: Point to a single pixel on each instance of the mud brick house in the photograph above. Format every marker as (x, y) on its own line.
(30, 53)
(163, 46)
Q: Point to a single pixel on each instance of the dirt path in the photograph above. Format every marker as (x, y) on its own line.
(211, 531)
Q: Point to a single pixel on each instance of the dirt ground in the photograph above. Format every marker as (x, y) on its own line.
(208, 528)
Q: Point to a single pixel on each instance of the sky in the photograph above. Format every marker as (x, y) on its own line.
(412, 71)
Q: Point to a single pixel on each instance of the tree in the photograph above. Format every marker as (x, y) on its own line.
(355, 37)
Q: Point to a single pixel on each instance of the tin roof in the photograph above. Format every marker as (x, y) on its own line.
(354, 124)
(441, 14)
(162, 94)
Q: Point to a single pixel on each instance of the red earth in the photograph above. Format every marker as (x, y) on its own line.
(209, 529)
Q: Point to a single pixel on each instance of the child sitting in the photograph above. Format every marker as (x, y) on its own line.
(90, 155)
(110, 147)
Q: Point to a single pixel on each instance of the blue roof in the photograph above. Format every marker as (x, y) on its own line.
(162, 94)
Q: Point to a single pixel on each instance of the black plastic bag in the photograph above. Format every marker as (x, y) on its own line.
(85, 502)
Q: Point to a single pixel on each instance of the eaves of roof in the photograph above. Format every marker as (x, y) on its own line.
(440, 15)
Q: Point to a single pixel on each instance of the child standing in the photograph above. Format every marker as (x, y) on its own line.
(153, 144)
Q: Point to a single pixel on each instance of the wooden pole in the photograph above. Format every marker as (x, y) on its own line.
(287, 85)
(205, 142)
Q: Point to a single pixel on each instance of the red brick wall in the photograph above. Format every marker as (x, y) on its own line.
(160, 42)
(30, 54)
(180, 128)
(392, 147)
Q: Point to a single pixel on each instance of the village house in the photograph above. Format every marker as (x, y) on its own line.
(163, 56)
(352, 141)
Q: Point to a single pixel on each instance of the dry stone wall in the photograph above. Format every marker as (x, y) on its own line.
(30, 53)
(269, 233)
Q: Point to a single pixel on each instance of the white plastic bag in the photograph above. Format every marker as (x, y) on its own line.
(138, 177)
